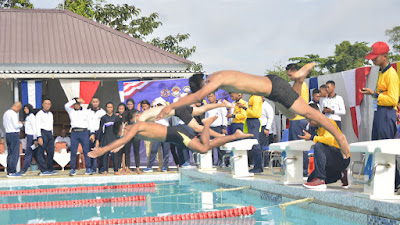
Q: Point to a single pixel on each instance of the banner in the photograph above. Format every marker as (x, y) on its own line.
(152, 89)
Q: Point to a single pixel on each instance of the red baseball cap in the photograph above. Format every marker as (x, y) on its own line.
(377, 49)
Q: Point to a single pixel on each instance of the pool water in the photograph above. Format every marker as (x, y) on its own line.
(167, 198)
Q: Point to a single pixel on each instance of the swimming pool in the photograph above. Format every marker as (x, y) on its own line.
(167, 198)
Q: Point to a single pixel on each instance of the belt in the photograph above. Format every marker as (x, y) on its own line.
(79, 129)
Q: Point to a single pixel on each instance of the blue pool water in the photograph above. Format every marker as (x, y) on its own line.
(169, 198)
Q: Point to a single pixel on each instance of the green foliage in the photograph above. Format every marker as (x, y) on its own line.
(278, 70)
(84, 8)
(16, 4)
(318, 70)
(394, 39)
(348, 56)
(171, 44)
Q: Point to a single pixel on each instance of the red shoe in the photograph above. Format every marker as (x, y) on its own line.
(345, 179)
(316, 183)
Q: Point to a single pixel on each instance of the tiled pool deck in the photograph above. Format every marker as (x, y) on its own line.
(344, 203)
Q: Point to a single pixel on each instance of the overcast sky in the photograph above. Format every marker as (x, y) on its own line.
(253, 35)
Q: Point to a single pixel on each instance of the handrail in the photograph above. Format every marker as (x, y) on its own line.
(371, 177)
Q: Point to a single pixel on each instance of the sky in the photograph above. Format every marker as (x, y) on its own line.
(255, 35)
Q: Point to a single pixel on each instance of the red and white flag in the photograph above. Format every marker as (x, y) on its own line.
(80, 89)
(354, 80)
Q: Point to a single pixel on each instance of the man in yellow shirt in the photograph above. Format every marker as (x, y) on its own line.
(299, 123)
(254, 112)
(386, 96)
(239, 114)
(330, 166)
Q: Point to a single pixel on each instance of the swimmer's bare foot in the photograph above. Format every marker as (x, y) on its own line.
(228, 104)
(139, 171)
(240, 135)
(209, 121)
(105, 173)
(302, 73)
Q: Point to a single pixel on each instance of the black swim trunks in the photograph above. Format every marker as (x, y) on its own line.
(179, 135)
(282, 92)
(184, 113)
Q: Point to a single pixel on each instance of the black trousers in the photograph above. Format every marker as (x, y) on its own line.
(127, 150)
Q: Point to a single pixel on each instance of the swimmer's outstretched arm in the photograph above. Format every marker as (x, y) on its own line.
(197, 111)
(115, 144)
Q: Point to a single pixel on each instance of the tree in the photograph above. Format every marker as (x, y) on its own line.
(394, 39)
(348, 56)
(125, 18)
(278, 70)
(321, 63)
(16, 4)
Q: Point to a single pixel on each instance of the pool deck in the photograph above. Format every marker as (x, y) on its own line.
(334, 197)
(347, 202)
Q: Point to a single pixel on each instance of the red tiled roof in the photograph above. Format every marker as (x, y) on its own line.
(32, 36)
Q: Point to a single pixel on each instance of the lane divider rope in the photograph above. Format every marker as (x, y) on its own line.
(69, 203)
(75, 189)
(244, 211)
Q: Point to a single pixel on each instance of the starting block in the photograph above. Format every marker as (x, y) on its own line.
(292, 159)
(380, 167)
(205, 162)
(239, 164)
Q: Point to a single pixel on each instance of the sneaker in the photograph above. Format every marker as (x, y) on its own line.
(22, 173)
(45, 173)
(72, 173)
(14, 175)
(164, 169)
(101, 170)
(148, 170)
(88, 172)
(316, 183)
(345, 179)
(254, 170)
(186, 165)
(54, 172)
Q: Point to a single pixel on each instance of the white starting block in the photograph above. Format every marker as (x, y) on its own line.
(239, 164)
(380, 167)
(292, 159)
(205, 162)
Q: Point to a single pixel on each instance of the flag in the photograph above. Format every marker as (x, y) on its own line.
(80, 89)
(354, 80)
(31, 92)
(121, 88)
(313, 85)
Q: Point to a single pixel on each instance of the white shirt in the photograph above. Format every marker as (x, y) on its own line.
(30, 125)
(10, 121)
(44, 121)
(23, 143)
(273, 128)
(267, 115)
(337, 105)
(221, 112)
(64, 139)
(94, 119)
(79, 118)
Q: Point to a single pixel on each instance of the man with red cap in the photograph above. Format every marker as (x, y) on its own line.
(385, 97)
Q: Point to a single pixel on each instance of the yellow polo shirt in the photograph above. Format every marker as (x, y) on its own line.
(387, 87)
(306, 96)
